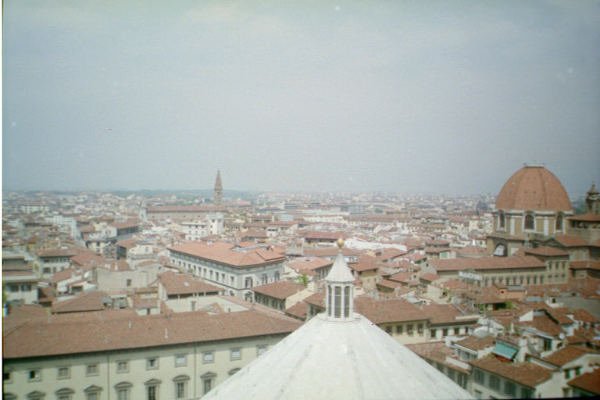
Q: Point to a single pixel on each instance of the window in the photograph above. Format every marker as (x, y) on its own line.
(510, 388)
(35, 395)
(152, 389)
(236, 354)
(263, 279)
(388, 330)
(276, 276)
(479, 376)
(261, 349)
(152, 363)
(529, 223)
(494, 382)
(181, 383)
(122, 366)
(91, 369)
(63, 373)
(180, 360)
(7, 376)
(526, 393)
(567, 374)
(92, 392)
(34, 375)
(180, 390)
(501, 220)
(64, 394)
(128, 282)
(432, 333)
(123, 390)
(337, 302)
(559, 222)
(420, 329)
(248, 283)
(207, 381)
(409, 329)
(347, 302)
(444, 332)
(399, 329)
(208, 357)
(451, 374)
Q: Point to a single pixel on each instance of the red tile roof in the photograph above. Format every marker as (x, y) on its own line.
(280, 290)
(526, 373)
(90, 301)
(566, 355)
(486, 263)
(477, 343)
(571, 241)
(365, 263)
(385, 311)
(73, 336)
(590, 382)
(533, 188)
(547, 252)
(228, 254)
(182, 284)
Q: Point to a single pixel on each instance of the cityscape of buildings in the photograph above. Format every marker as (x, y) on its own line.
(170, 295)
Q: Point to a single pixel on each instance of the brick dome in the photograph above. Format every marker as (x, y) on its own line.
(533, 188)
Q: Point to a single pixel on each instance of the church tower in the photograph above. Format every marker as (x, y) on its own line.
(218, 191)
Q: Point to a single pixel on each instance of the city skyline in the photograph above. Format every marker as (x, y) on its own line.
(325, 96)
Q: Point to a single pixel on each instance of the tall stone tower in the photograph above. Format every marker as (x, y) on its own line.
(218, 192)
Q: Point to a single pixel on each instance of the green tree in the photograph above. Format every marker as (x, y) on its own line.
(303, 280)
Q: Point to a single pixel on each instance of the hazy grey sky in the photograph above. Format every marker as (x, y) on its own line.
(443, 97)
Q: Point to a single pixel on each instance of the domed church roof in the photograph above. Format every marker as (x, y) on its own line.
(533, 188)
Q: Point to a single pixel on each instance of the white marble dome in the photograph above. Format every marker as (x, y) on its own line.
(341, 357)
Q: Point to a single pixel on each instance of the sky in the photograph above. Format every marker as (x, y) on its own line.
(445, 97)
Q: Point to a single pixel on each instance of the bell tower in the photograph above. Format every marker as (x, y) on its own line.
(218, 191)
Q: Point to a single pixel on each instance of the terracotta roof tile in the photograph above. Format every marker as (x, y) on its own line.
(590, 382)
(477, 343)
(365, 263)
(67, 336)
(280, 290)
(90, 301)
(533, 188)
(566, 355)
(181, 284)
(571, 241)
(547, 251)
(525, 373)
(485, 263)
(227, 253)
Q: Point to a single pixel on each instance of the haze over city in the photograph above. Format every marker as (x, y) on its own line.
(405, 97)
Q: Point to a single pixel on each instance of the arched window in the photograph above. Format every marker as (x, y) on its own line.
(248, 296)
(559, 222)
(501, 220)
(529, 223)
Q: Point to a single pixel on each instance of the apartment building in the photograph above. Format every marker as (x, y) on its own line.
(119, 355)
(235, 268)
